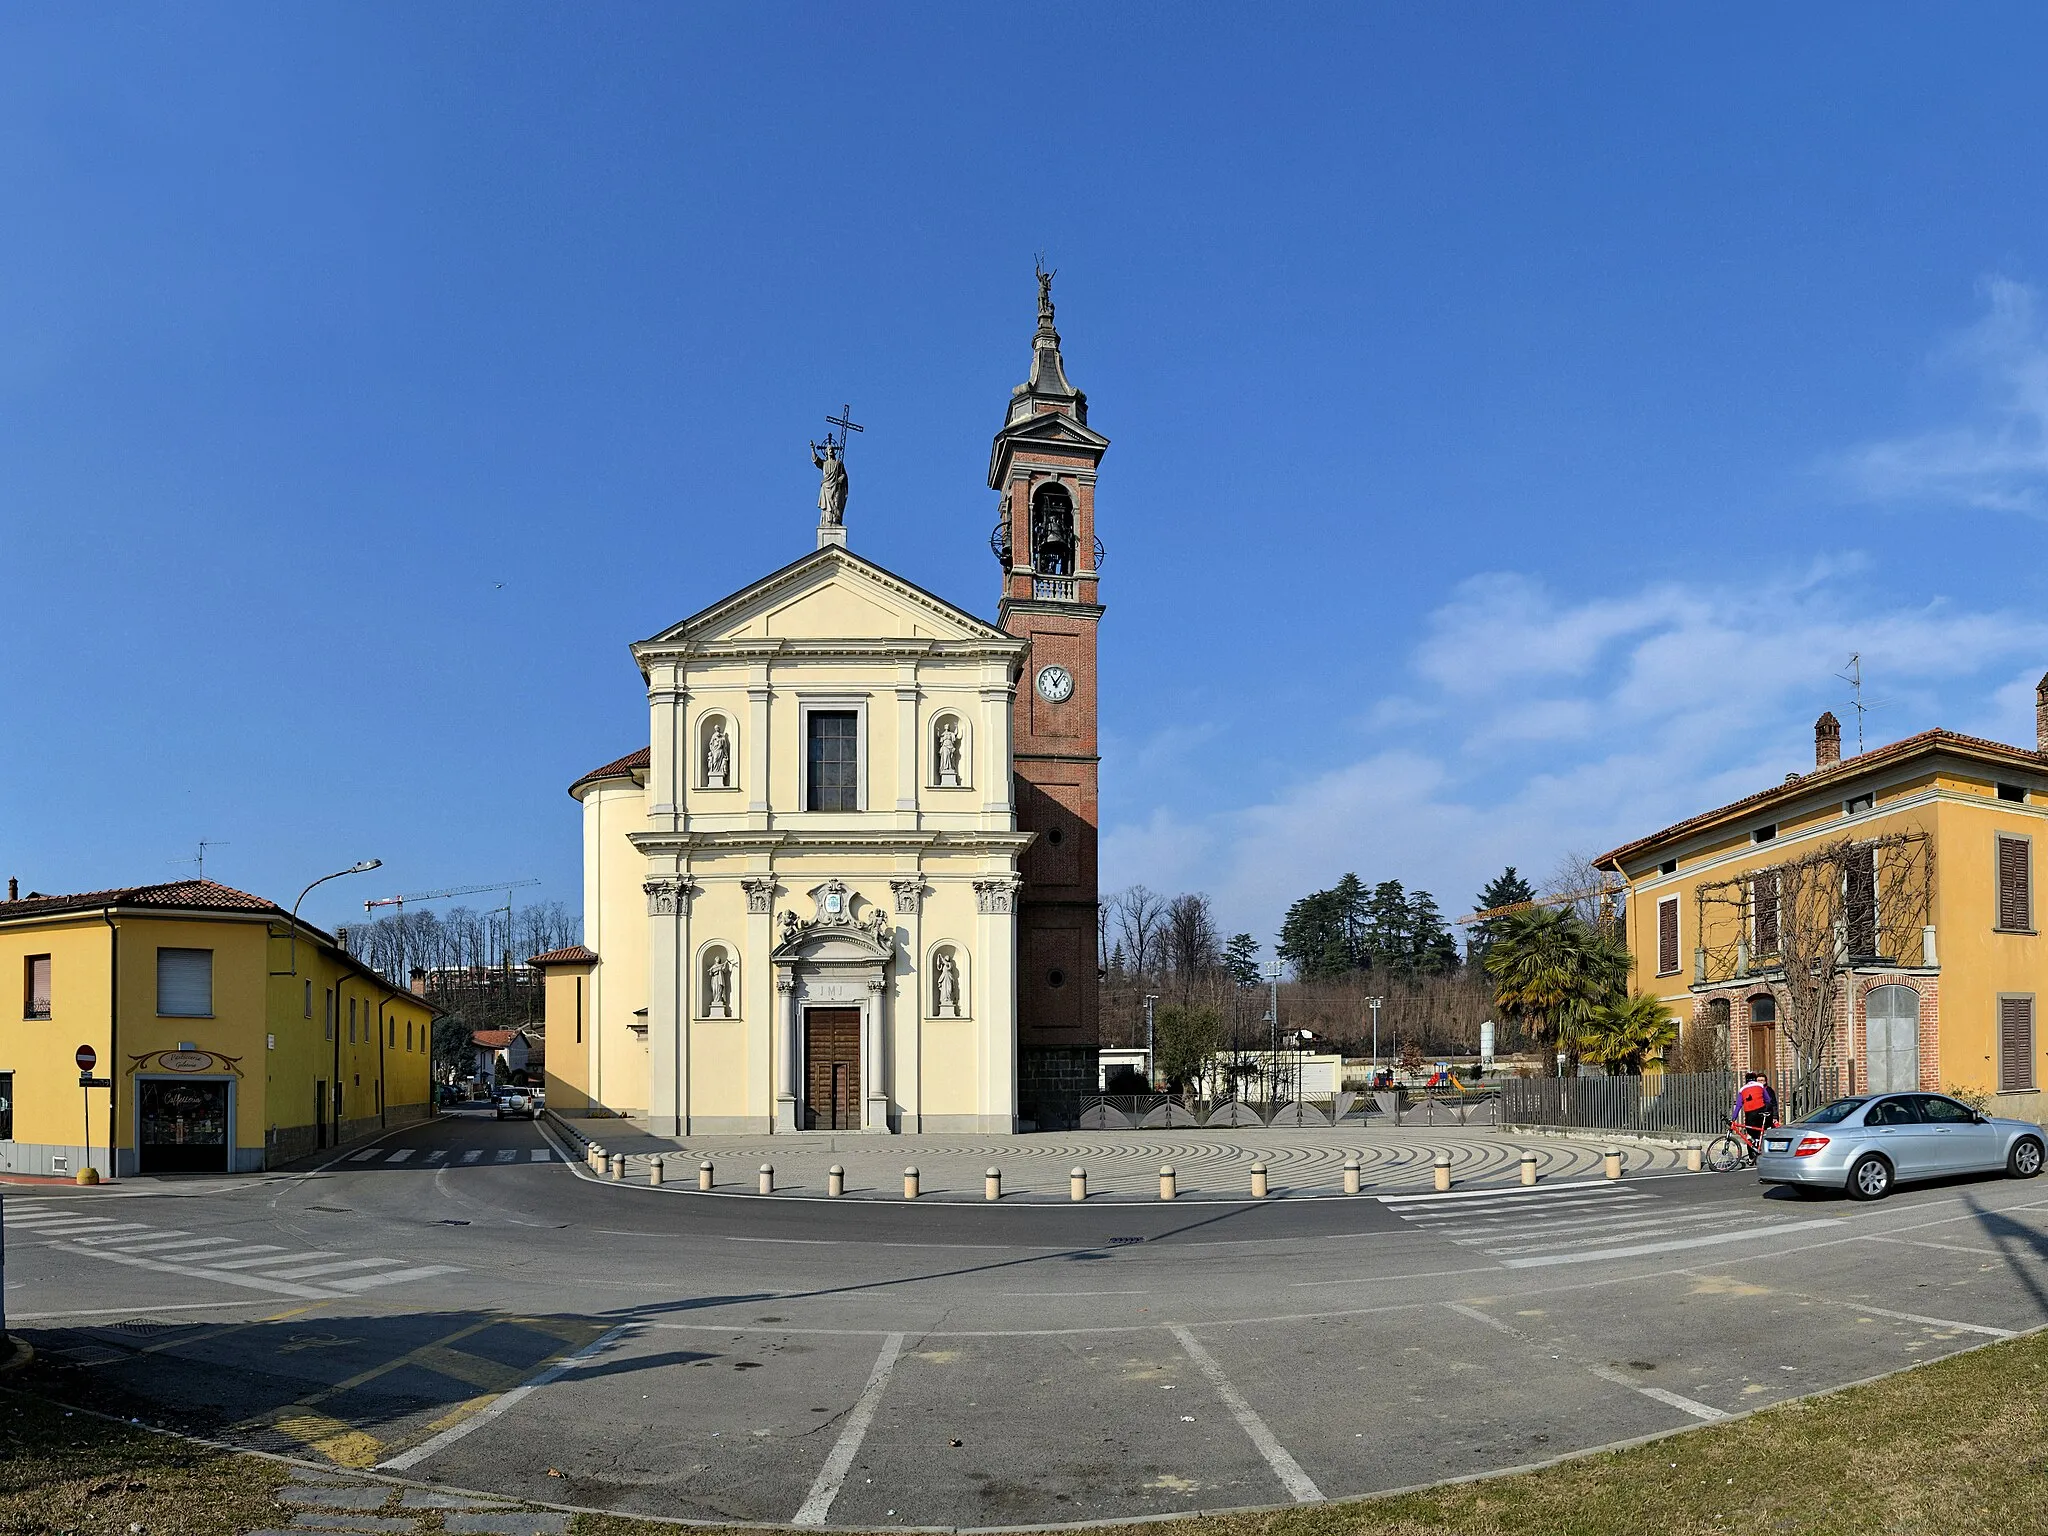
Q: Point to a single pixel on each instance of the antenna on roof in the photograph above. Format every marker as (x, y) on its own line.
(204, 844)
(1854, 678)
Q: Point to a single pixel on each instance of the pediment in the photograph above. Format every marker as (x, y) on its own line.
(831, 594)
(1052, 427)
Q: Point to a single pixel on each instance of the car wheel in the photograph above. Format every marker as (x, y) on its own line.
(2024, 1161)
(1870, 1179)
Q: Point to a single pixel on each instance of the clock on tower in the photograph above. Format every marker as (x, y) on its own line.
(1043, 467)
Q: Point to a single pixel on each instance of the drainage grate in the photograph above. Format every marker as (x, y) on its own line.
(148, 1325)
(1115, 1241)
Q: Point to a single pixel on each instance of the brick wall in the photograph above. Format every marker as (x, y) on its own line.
(1050, 1083)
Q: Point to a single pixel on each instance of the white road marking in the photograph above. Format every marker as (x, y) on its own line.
(1933, 1322)
(1670, 1245)
(1478, 1316)
(247, 1282)
(334, 1267)
(508, 1154)
(473, 1155)
(540, 1155)
(818, 1502)
(60, 1223)
(360, 1283)
(165, 1244)
(1297, 1483)
(1477, 1214)
(177, 1306)
(1915, 1242)
(146, 1235)
(127, 1231)
(437, 1154)
(1689, 1405)
(1517, 1194)
(1063, 1294)
(497, 1406)
(276, 1255)
(400, 1155)
(364, 1157)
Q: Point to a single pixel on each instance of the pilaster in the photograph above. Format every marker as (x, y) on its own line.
(909, 993)
(760, 807)
(764, 1002)
(668, 729)
(668, 1004)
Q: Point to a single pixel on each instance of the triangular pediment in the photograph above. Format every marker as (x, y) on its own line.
(1052, 427)
(831, 594)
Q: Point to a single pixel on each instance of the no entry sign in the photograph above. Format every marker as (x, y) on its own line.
(87, 1058)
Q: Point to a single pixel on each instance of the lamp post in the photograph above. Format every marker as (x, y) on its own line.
(354, 869)
(1374, 1004)
(1273, 1019)
(1151, 1060)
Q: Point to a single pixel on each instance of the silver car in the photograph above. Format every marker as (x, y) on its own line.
(1868, 1144)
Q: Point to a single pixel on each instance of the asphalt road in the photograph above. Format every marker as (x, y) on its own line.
(502, 1322)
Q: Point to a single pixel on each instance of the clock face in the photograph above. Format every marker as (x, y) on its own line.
(1055, 684)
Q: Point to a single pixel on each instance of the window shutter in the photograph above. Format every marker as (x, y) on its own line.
(1667, 936)
(1765, 897)
(184, 982)
(37, 1003)
(2015, 884)
(2015, 1044)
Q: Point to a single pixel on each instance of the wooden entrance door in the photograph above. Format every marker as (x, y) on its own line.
(832, 1069)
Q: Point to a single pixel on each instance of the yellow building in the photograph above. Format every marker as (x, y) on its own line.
(233, 1040)
(1877, 911)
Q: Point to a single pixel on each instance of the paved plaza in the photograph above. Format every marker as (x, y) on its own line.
(1208, 1164)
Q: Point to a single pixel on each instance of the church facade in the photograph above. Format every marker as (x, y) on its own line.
(850, 882)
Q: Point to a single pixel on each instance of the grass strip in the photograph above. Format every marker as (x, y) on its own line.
(1958, 1447)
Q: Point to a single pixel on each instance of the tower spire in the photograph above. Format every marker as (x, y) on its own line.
(1046, 389)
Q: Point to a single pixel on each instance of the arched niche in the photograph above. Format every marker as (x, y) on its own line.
(952, 752)
(718, 980)
(715, 752)
(945, 990)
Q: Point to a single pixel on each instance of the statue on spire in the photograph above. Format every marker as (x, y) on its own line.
(1045, 293)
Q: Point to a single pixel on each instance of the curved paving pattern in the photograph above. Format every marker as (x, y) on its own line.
(1207, 1164)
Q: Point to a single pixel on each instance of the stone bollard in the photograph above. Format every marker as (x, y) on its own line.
(992, 1184)
(1692, 1157)
(1612, 1158)
(1077, 1183)
(618, 1165)
(1258, 1181)
(1351, 1176)
(704, 1174)
(1528, 1167)
(835, 1181)
(767, 1178)
(1166, 1185)
(910, 1183)
(1442, 1168)
(654, 1174)
(593, 1158)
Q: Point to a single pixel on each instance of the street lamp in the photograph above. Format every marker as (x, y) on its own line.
(1374, 1004)
(1273, 1018)
(1151, 1061)
(354, 869)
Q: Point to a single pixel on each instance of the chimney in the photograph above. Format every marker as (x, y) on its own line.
(1827, 734)
(419, 981)
(2041, 714)
(14, 885)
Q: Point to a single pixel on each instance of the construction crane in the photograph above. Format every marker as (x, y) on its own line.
(507, 886)
(1604, 892)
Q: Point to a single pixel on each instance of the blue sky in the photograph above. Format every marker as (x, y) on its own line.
(1519, 413)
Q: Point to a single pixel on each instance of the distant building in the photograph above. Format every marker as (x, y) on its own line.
(1890, 893)
(235, 1041)
(501, 1055)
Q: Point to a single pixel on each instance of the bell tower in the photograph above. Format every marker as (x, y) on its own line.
(1043, 467)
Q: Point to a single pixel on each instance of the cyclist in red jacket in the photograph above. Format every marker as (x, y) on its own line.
(1752, 1110)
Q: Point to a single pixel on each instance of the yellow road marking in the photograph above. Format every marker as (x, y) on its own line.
(273, 1416)
(470, 1370)
(332, 1438)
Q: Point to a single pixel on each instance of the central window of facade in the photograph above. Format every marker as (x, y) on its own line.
(834, 760)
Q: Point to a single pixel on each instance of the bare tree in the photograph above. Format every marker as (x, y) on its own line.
(1138, 915)
(1577, 885)
(1192, 947)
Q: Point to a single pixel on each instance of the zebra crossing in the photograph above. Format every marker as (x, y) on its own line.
(1586, 1222)
(269, 1267)
(448, 1157)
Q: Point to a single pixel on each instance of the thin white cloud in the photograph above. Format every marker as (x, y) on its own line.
(1999, 462)
(1534, 726)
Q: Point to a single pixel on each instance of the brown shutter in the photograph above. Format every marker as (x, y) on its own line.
(2015, 1044)
(2015, 884)
(1764, 895)
(1667, 937)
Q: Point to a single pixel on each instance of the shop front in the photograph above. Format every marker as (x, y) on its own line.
(185, 1111)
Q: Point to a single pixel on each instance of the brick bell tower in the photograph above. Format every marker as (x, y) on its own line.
(1043, 466)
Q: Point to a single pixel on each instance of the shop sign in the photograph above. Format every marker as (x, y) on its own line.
(185, 1061)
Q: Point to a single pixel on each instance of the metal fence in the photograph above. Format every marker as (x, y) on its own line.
(1691, 1103)
(1157, 1111)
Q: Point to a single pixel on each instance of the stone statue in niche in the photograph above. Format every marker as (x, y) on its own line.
(717, 757)
(949, 753)
(718, 986)
(945, 986)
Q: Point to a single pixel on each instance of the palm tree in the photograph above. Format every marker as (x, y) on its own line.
(1623, 1034)
(1550, 971)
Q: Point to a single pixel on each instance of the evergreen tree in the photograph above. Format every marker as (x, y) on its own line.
(1434, 951)
(1389, 930)
(1241, 959)
(1504, 890)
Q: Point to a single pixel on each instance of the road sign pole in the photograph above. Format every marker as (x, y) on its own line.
(87, 1058)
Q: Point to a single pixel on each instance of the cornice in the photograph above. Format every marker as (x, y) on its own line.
(804, 842)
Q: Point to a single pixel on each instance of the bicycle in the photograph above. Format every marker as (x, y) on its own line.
(1738, 1149)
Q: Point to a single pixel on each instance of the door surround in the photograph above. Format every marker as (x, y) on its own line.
(833, 960)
